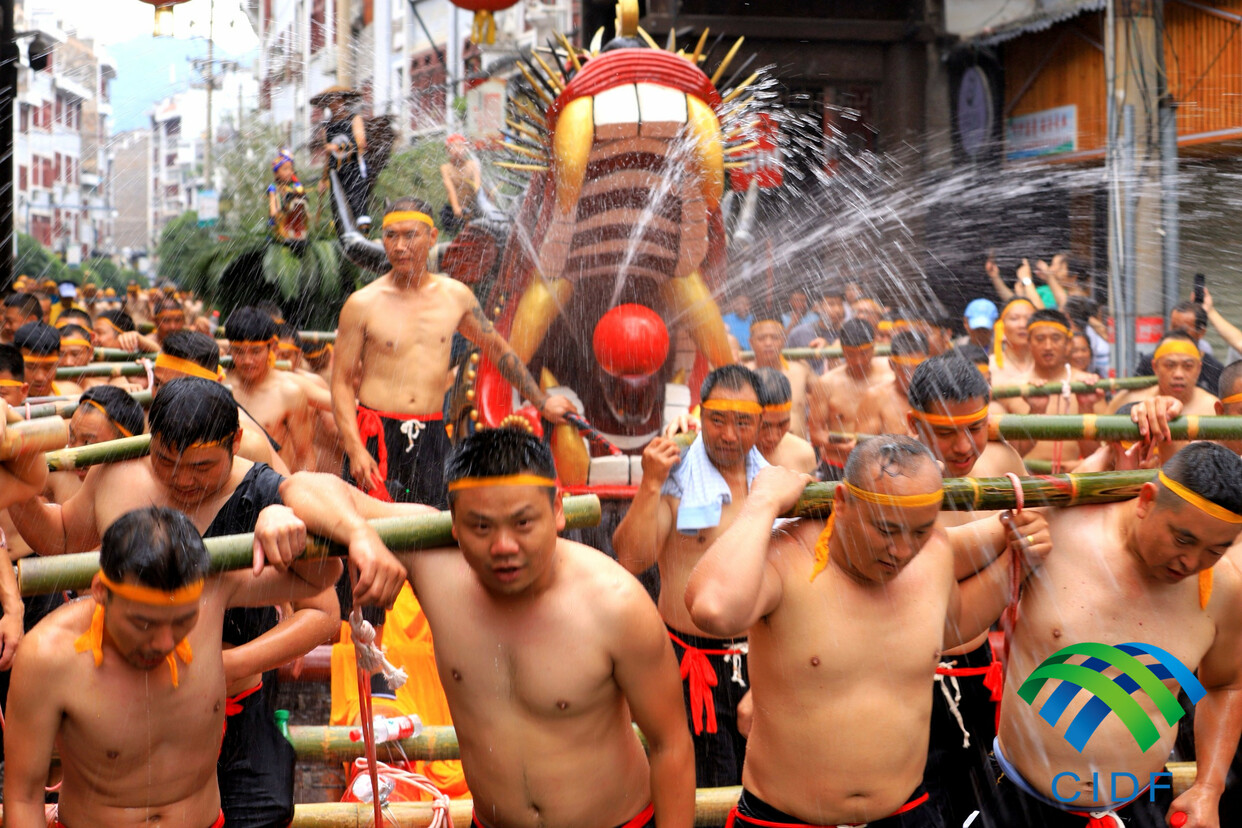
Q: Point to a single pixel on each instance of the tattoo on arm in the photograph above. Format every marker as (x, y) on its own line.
(515, 373)
(485, 324)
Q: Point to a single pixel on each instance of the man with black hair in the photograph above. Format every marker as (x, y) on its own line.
(19, 309)
(778, 444)
(40, 347)
(977, 356)
(1148, 570)
(193, 354)
(949, 414)
(827, 321)
(1230, 402)
(110, 325)
(389, 378)
(273, 398)
(767, 338)
(1191, 319)
(884, 406)
(168, 315)
(846, 619)
(685, 500)
(1048, 338)
(128, 685)
(76, 345)
(73, 316)
(13, 386)
(581, 655)
(193, 466)
(836, 396)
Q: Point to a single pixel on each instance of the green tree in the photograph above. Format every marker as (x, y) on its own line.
(36, 261)
(181, 245)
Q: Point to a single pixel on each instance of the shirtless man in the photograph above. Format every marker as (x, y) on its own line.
(194, 354)
(19, 309)
(1048, 339)
(168, 316)
(776, 443)
(1011, 356)
(949, 414)
(1176, 363)
(883, 408)
(847, 621)
(547, 651)
(318, 359)
(671, 521)
(137, 725)
(115, 329)
(40, 347)
(462, 180)
(1153, 571)
(103, 413)
(193, 467)
(836, 396)
(76, 347)
(273, 398)
(325, 441)
(393, 343)
(767, 338)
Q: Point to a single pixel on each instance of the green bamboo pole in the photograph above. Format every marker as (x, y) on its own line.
(333, 745)
(39, 576)
(44, 434)
(831, 352)
(133, 369)
(109, 451)
(63, 408)
(1052, 389)
(1107, 427)
(119, 355)
(711, 807)
(317, 337)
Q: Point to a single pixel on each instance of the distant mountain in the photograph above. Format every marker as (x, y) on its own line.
(149, 69)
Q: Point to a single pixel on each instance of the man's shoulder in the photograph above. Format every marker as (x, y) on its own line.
(602, 583)
(51, 642)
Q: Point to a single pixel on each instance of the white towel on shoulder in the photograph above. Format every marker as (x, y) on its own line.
(702, 488)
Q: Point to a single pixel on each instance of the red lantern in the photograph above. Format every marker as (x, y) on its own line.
(484, 22)
(163, 16)
(630, 340)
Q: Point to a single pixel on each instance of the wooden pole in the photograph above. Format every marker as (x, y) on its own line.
(40, 576)
(831, 352)
(44, 434)
(1052, 389)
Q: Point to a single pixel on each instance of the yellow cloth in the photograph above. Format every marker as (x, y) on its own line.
(408, 644)
(92, 640)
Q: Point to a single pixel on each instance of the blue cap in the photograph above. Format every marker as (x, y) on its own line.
(981, 313)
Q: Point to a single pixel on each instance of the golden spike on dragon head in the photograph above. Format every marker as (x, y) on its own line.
(623, 211)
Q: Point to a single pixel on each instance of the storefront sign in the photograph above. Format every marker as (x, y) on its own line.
(1049, 132)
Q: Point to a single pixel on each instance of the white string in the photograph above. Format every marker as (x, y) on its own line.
(370, 657)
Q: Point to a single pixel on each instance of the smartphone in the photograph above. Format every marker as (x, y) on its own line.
(1200, 283)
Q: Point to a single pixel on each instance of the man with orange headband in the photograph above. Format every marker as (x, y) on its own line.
(542, 640)
(767, 338)
(19, 309)
(778, 445)
(1150, 573)
(168, 315)
(883, 408)
(1176, 362)
(1011, 354)
(40, 347)
(949, 414)
(836, 396)
(846, 622)
(1049, 337)
(128, 685)
(273, 398)
(392, 362)
(685, 500)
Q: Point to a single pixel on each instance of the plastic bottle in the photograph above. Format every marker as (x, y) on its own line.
(391, 730)
(282, 722)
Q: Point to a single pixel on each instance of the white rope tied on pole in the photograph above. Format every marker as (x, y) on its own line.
(370, 657)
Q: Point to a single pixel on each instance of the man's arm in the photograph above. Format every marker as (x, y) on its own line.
(57, 529)
(33, 720)
(648, 522)
(1227, 330)
(476, 327)
(1218, 716)
(11, 623)
(301, 431)
(734, 585)
(646, 671)
(22, 477)
(998, 284)
(450, 188)
(346, 366)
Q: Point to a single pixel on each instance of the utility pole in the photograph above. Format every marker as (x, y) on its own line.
(211, 83)
(9, 56)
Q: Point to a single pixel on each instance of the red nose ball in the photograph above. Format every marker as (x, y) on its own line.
(630, 340)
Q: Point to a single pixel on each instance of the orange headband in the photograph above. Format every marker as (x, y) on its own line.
(857, 348)
(36, 358)
(184, 366)
(950, 420)
(76, 341)
(316, 354)
(910, 360)
(408, 215)
(1199, 501)
(502, 480)
(779, 407)
(125, 432)
(740, 406)
(166, 313)
(151, 596)
(877, 498)
(1176, 346)
(1048, 323)
(110, 324)
(1232, 398)
(11, 383)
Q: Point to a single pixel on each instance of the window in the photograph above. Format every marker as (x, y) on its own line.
(25, 119)
(21, 177)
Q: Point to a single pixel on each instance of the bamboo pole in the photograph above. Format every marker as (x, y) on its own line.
(39, 435)
(1052, 389)
(831, 352)
(333, 745)
(119, 355)
(134, 369)
(1107, 427)
(63, 408)
(109, 451)
(39, 576)
(317, 337)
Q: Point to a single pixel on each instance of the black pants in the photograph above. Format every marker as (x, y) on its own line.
(753, 812)
(718, 756)
(255, 768)
(957, 776)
